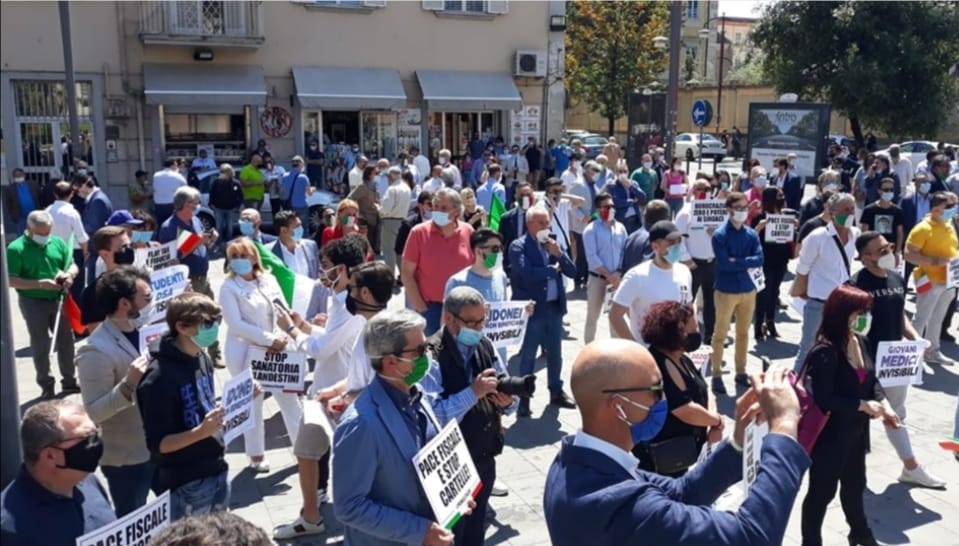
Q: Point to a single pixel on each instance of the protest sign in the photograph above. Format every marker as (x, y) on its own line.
(133, 529)
(752, 449)
(780, 228)
(506, 323)
(277, 371)
(677, 190)
(709, 212)
(151, 332)
(758, 277)
(447, 474)
(166, 283)
(900, 362)
(701, 358)
(237, 406)
(952, 273)
(156, 257)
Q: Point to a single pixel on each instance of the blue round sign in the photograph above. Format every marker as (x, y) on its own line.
(702, 113)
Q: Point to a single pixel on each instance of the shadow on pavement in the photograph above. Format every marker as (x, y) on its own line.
(893, 511)
(537, 431)
(254, 489)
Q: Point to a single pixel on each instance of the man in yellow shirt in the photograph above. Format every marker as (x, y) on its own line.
(931, 245)
(253, 182)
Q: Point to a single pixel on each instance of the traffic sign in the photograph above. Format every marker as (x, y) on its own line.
(702, 113)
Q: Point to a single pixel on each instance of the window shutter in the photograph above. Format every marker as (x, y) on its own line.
(498, 7)
(234, 15)
(433, 5)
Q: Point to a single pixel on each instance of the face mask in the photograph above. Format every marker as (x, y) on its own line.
(347, 220)
(469, 336)
(354, 305)
(605, 214)
(124, 255)
(887, 261)
(18, 180)
(542, 236)
(143, 317)
(40, 239)
(693, 342)
(830, 188)
(207, 336)
(314, 147)
(441, 218)
(762, 182)
(493, 260)
(241, 266)
(525, 202)
(894, 154)
(674, 254)
(421, 365)
(843, 220)
(142, 236)
(925, 187)
(862, 324)
(724, 186)
(887, 196)
(84, 456)
(297, 233)
(82, 172)
(740, 216)
(325, 277)
(246, 228)
(648, 429)
(949, 213)
(700, 195)
(427, 215)
(647, 164)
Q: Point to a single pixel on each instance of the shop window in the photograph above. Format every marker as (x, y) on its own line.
(692, 9)
(186, 134)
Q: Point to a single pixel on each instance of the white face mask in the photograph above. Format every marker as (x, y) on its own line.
(542, 236)
(831, 188)
(647, 164)
(762, 182)
(143, 318)
(740, 216)
(40, 239)
(17, 180)
(888, 261)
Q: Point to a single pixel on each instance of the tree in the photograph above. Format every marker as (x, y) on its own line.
(610, 53)
(881, 64)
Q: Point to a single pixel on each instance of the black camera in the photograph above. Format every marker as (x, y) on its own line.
(524, 386)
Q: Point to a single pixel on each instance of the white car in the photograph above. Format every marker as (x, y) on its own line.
(915, 150)
(710, 146)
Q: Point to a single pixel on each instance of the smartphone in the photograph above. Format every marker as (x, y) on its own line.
(279, 303)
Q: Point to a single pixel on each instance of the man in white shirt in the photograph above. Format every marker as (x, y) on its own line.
(382, 178)
(515, 165)
(203, 163)
(586, 187)
(823, 266)
(66, 220)
(492, 186)
(699, 247)
(165, 184)
(299, 254)
(902, 166)
(393, 210)
(664, 278)
(435, 180)
(444, 157)
(603, 242)
(422, 165)
(356, 173)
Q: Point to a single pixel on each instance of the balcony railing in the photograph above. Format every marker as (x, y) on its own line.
(202, 22)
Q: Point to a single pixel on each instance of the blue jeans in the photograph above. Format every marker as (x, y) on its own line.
(201, 496)
(225, 220)
(545, 329)
(811, 317)
(129, 486)
(434, 317)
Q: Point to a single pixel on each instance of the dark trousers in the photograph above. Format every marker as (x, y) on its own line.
(703, 277)
(545, 329)
(838, 460)
(433, 316)
(950, 312)
(632, 224)
(129, 485)
(767, 301)
(162, 213)
(471, 530)
(324, 464)
(582, 267)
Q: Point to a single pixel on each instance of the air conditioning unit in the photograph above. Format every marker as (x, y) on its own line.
(530, 64)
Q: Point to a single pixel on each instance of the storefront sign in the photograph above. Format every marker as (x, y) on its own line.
(277, 371)
(275, 121)
(447, 474)
(133, 529)
(237, 406)
(900, 362)
(710, 213)
(156, 257)
(524, 123)
(780, 228)
(506, 323)
(167, 283)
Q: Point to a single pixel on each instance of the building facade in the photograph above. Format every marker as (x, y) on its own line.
(167, 79)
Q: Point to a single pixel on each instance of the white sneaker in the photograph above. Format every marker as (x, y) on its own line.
(260, 467)
(935, 357)
(298, 528)
(919, 476)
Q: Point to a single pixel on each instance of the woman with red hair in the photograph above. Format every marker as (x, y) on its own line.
(842, 381)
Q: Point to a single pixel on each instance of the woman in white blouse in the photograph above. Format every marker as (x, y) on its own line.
(248, 310)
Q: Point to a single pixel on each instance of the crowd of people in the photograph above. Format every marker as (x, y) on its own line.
(510, 226)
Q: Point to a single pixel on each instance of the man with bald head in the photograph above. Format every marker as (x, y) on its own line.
(596, 495)
(250, 227)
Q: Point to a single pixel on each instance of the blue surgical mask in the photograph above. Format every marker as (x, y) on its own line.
(440, 218)
(469, 336)
(949, 213)
(241, 266)
(651, 426)
(925, 187)
(246, 228)
(298, 233)
(142, 236)
(674, 254)
(887, 196)
(724, 185)
(207, 336)
(428, 215)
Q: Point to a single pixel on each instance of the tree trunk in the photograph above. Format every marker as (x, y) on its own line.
(857, 131)
(611, 127)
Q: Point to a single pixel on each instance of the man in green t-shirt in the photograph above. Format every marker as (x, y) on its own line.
(253, 182)
(41, 269)
(646, 176)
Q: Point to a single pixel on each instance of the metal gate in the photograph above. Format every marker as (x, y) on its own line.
(43, 127)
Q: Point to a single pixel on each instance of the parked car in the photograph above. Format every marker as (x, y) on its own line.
(915, 150)
(709, 147)
(570, 134)
(841, 140)
(594, 144)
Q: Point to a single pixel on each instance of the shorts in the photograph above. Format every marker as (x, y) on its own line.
(312, 441)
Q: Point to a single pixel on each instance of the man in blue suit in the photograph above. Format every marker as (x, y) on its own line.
(537, 266)
(595, 494)
(376, 492)
(96, 211)
(790, 182)
(512, 225)
(299, 254)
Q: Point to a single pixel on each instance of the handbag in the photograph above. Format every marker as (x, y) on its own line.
(812, 419)
(673, 455)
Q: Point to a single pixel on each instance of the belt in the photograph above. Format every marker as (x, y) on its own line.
(597, 275)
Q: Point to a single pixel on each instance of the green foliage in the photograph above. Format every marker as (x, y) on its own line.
(881, 64)
(750, 72)
(609, 51)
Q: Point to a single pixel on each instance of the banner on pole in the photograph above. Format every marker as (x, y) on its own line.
(447, 474)
(506, 323)
(133, 529)
(237, 406)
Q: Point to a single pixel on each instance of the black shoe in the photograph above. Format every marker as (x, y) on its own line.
(742, 379)
(783, 305)
(766, 362)
(48, 392)
(562, 400)
(718, 386)
(758, 333)
(771, 329)
(69, 386)
(217, 362)
(947, 337)
(523, 410)
(863, 541)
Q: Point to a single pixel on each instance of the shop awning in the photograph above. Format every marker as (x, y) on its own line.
(452, 91)
(349, 88)
(190, 84)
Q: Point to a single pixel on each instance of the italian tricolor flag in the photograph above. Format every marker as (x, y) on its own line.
(297, 289)
(187, 241)
(459, 514)
(923, 284)
(950, 444)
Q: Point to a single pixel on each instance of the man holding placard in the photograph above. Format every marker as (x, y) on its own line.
(697, 236)
(890, 323)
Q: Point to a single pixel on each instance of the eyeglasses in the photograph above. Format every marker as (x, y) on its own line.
(211, 322)
(89, 437)
(419, 351)
(493, 248)
(739, 209)
(656, 389)
(605, 207)
(474, 324)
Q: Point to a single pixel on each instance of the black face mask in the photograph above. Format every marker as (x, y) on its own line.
(693, 342)
(354, 305)
(124, 255)
(85, 455)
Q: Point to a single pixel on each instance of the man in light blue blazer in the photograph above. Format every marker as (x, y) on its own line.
(595, 494)
(376, 492)
(299, 254)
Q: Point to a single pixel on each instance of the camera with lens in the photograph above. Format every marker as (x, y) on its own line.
(516, 386)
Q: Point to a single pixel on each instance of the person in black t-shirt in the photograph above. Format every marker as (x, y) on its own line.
(885, 217)
(890, 323)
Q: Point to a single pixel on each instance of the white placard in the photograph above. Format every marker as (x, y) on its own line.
(133, 529)
(709, 212)
(151, 332)
(677, 190)
(167, 283)
(156, 257)
(952, 273)
(780, 228)
(701, 358)
(900, 362)
(447, 474)
(237, 406)
(506, 323)
(277, 371)
(752, 450)
(758, 277)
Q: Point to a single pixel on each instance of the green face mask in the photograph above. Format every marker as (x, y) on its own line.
(206, 336)
(492, 259)
(841, 220)
(420, 366)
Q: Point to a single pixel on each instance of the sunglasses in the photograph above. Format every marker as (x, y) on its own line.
(211, 322)
(493, 248)
(656, 389)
